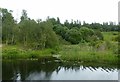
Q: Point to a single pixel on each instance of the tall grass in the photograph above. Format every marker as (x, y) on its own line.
(110, 36)
(86, 54)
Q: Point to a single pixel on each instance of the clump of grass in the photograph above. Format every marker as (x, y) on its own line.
(13, 52)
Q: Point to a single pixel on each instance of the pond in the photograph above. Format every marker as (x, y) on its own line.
(54, 69)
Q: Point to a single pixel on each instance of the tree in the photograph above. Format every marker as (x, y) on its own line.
(66, 23)
(73, 36)
(24, 15)
(61, 30)
(58, 20)
(50, 38)
(8, 24)
(86, 33)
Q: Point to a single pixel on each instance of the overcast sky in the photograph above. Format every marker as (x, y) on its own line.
(83, 10)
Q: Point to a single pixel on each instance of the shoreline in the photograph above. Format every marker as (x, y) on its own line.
(70, 53)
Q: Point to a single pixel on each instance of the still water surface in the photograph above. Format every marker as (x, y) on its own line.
(56, 70)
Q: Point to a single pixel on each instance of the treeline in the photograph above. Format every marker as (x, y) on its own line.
(27, 32)
(38, 34)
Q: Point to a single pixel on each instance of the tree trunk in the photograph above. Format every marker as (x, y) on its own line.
(13, 39)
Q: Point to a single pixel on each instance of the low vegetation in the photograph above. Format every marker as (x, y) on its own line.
(15, 52)
(86, 53)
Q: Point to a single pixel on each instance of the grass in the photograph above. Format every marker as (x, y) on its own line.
(110, 36)
(81, 52)
(15, 52)
(78, 53)
(0, 52)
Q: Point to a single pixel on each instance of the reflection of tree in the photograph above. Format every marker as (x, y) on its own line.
(44, 68)
(58, 69)
(91, 66)
(47, 68)
(25, 68)
(7, 70)
(119, 75)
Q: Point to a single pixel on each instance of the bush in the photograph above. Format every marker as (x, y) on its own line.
(117, 38)
(11, 53)
(73, 36)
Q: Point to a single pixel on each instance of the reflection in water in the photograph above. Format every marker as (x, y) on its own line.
(119, 75)
(17, 76)
(51, 70)
(84, 75)
(38, 76)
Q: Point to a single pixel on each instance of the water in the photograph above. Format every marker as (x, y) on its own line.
(51, 69)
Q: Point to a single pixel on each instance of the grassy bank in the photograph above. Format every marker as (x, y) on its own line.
(87, 54)
(81, 52)
(16, 52)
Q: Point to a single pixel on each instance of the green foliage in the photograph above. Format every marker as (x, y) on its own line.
(42, 34)
(8, 24)
(73, 36)
(60, 30)
(28, 32)
(84, 53)
(108, 44)
(15, 52)
(86, 33)
(117, 38)
(99, 35)
(76, 35)
(110, 36)
(24, 15)
(51, 38)
(44, 37)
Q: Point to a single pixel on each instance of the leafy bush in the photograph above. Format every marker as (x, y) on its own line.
(73, 36)
(10, 53)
